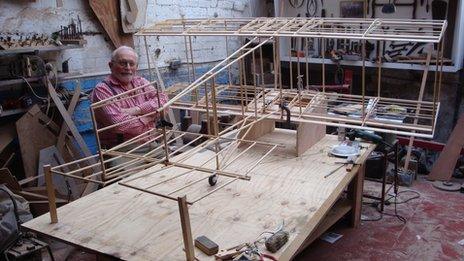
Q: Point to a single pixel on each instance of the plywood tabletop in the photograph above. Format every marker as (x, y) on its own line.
(133, 225)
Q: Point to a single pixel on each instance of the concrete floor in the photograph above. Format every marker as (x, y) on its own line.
(434, 226)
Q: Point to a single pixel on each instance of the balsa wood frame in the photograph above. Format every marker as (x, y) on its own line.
(255, 101)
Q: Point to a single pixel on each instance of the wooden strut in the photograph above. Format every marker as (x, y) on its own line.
(50, 194)
(186, 229)
(421, 95)
(208, 75)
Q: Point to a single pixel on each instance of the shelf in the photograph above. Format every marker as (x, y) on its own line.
(39, 49)
(6, 113)
(18, 81)
(388, 65)
(61, 76)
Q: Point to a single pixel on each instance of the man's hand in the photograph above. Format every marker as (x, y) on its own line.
(134, 111)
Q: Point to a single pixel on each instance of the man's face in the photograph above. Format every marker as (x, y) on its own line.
(124, 66)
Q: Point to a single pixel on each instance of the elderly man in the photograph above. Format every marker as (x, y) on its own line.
(123, 77)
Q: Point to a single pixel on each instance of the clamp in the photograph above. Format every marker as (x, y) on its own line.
(284, 107)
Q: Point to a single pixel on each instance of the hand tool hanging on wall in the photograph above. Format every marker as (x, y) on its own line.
(296, 3)
(401, 45)
(414, 48)
(389, 8)
(284, 107)
(439, 8)
(311, 8)
(322, 9)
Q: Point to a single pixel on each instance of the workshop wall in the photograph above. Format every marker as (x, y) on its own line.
(43, 16)
(404, 10)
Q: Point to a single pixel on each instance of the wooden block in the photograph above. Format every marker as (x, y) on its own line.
(257, 130)
(307, 135)
(444, 166)
(34, 135)
(206, 245)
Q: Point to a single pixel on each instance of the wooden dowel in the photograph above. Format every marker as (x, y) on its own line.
(97, 138)
(50, 193)
(261, 159)
(75, 162)
(186, 229)
(214, 190)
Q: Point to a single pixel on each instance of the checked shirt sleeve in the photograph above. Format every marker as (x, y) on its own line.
(112, 114)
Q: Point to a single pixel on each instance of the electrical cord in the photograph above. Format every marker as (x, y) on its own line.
(395, 202)
(32, 90)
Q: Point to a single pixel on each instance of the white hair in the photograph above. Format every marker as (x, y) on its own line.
(116, 52)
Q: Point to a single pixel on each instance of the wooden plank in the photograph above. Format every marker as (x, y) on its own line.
(444, 167)
(308, 134)
(421, 95)
(90, 187)
(7, 134)
(133, 13)
(64, 186)
(108, 14)
(34, 135)
(186, 229)
(355, 194)
(9, 180)
(64, 127)
(115, 220)
(257, 130)
(309, 226)
(339, 210)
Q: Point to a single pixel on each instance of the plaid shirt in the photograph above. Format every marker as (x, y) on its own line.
(112, 114)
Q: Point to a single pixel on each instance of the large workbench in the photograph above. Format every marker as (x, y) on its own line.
(133, 225)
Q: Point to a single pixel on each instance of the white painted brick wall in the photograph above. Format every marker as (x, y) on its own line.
(43, 16)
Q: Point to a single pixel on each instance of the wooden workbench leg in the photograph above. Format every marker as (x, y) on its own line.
(50, 193)
(355, 194)
(186, 229)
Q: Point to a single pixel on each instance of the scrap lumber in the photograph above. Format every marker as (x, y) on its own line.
(444, 167)
(72, 127)
(35, 132)
(7, 134)
(64, 128)
(107, 13)
(64, 185)
(9, 180)
(421, 95)
(133, 13)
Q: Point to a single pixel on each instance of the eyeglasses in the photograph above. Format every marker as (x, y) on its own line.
(124, 63)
